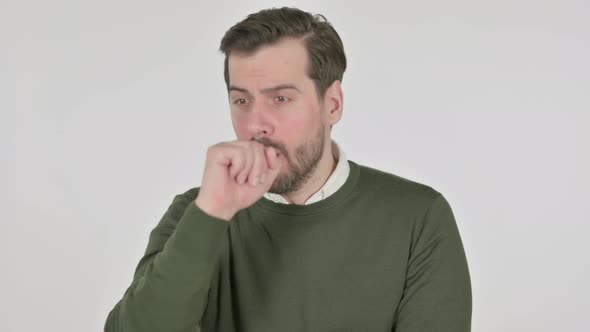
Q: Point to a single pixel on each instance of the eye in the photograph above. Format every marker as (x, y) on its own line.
(240, 101)
(282, 98)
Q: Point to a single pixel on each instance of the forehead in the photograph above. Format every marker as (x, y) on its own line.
(285, 61)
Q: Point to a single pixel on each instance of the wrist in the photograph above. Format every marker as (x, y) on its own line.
(212, 211)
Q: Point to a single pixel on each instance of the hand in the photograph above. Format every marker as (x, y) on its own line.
(236, 175)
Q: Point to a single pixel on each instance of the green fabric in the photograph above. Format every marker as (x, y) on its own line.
(382, 253)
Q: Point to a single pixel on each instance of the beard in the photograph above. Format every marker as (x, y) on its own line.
(301, 165)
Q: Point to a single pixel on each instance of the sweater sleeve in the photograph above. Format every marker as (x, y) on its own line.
(437, 293)
(171, 282)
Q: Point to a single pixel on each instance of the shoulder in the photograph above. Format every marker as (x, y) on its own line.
(421, 206)
(378, 183)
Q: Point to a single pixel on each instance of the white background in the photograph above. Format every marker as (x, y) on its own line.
(107, 108)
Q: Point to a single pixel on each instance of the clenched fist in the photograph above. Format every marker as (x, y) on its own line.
(236, 175)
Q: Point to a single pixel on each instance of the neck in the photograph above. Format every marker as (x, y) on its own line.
(326, 167)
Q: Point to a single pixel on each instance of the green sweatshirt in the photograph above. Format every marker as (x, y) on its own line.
(382, 253)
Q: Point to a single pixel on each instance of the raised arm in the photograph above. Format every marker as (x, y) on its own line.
(171, 282)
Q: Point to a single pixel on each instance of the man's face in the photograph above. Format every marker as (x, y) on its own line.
(274, 102)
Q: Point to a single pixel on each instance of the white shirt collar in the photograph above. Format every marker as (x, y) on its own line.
(334, 182)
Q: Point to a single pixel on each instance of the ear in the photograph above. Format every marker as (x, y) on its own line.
(333, 103)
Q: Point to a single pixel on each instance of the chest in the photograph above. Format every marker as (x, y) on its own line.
(322, 278)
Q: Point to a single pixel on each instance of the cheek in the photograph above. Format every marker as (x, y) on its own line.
(240, 127)
(293, 129)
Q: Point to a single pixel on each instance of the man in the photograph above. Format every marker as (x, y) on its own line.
(285, 233)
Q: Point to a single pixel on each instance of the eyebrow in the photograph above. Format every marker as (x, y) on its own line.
(265, 90)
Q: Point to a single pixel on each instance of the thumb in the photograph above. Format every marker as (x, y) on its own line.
(272, 160)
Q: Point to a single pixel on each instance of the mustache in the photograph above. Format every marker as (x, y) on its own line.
(267, 142)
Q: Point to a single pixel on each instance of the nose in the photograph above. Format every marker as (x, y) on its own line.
(260, 122)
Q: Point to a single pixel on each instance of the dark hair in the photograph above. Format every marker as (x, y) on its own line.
(266, 27)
